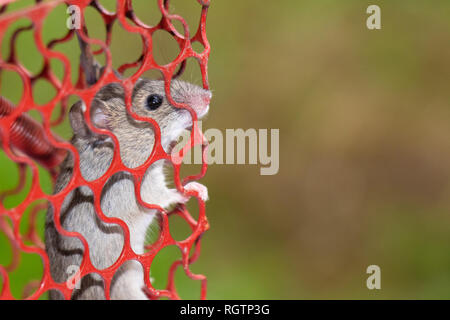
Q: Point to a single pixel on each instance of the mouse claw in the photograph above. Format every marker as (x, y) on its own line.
(201, 189)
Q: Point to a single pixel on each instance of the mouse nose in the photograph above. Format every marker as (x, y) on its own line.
(200, 102)
(206, 98)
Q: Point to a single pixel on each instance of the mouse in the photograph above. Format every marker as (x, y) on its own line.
(136, 140)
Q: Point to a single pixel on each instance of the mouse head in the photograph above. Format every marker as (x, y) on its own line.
(136, 138)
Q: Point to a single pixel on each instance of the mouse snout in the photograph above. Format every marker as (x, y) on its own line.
(206, 97)
(200, 102)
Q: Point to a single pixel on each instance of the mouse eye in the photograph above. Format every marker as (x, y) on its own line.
(154, 101)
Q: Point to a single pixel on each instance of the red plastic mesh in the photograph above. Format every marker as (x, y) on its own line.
(29, 143)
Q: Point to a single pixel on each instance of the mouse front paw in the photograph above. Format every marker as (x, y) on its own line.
(201, 189)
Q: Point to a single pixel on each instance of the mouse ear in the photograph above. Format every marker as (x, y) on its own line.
(99, 116)
(77, 122)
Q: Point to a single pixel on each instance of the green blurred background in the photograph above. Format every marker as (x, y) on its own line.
(364, 123)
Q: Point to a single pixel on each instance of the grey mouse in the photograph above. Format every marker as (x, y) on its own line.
(136, 140)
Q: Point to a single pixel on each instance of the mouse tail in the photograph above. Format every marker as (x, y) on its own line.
(91, 68)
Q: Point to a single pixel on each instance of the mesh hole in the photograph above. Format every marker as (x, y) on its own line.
(32, 224)
(122, 39)
(57, 68)
(71, 51)
(159, 271)
(92, 18)
(5, 244)
(178, 25)
(45, 180)
(11, 86)
(179, 228)
(147, 11)
(193, 208)
(55, 24)
(129, 71)
(187, 288)
(25, 48)
(43, 91)
(153, 74)
(190, 13)
(165, 47)
(27, 52)
(192, 72)
(10, 173)
(23, 278)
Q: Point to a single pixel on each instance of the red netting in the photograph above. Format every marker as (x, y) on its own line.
(29, 143)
